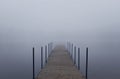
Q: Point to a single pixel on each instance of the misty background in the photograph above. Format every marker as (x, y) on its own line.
(28, 23)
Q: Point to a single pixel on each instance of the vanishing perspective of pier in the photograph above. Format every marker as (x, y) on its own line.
(60, 62)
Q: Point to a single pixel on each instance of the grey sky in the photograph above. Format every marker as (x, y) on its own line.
(31, 20)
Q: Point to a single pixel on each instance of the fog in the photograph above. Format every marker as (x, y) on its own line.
(28, 23)
(28, 20)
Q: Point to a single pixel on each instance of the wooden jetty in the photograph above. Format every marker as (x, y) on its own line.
(60, 66)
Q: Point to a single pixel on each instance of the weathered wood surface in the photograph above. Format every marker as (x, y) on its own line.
(59, 66)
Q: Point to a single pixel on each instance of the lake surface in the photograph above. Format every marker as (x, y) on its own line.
(16, 60)
(103, 61)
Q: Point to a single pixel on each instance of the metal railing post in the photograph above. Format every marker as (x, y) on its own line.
(86, 63)
(75, 55)
(78, 58)
(33, 64)
(41, 57)
(46, 53)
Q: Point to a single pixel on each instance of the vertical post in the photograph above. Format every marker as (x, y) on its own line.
(78, 58)
(33, 64)
(75, 55)
(87, 63)
(67, 45)
(41, 57)
(48, 49)
(72, 51)
(69, 48)
(46, 54)
(51, 47)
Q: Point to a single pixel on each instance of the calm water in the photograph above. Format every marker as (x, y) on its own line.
(16, 61)
(103, 61)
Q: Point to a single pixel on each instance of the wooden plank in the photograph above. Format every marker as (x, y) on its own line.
(60, 66)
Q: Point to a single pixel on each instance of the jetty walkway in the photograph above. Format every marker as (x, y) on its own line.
(60, 66)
